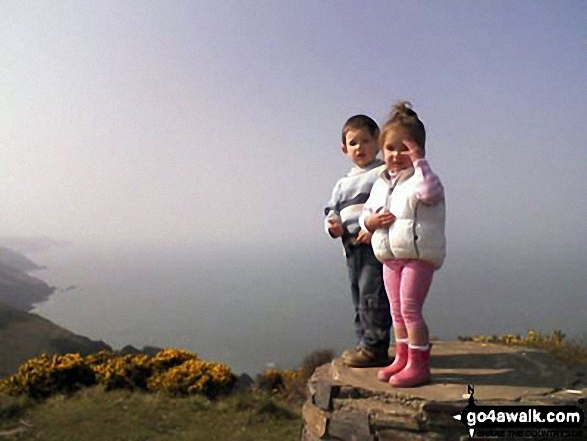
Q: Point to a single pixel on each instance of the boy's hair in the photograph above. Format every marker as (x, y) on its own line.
(403, 118)
(360, 122)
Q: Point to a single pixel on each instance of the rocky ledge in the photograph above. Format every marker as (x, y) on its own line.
(351, 404)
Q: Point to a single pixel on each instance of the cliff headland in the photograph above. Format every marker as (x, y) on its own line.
(17, 287)
(24, 335)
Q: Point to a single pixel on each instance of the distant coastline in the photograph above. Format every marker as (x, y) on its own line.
(17, 287)
(24, 335)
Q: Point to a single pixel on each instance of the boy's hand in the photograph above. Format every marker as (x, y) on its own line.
(364, 237)
(378, 220)
(414, 150)
(335, 228)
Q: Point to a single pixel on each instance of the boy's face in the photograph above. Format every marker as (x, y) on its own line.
(360, 147)
(395, 153)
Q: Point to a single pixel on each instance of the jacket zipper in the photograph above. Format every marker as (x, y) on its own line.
(392, 186)
(414, 229)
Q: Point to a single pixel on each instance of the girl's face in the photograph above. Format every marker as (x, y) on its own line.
(395, 153)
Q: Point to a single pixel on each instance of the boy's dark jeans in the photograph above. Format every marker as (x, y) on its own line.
(372, 314)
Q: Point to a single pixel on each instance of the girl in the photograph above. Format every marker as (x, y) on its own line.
(406, 213)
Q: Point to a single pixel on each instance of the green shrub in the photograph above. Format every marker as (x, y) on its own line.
(276, 380)
(314, 360)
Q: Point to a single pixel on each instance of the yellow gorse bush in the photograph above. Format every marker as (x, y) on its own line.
(290, 376)
(194, 377)
(124, 372)
(534, 338)
(168, 358)
(44, 375)
(170, 370)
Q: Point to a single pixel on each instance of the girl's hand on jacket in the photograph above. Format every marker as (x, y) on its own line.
(377, 220)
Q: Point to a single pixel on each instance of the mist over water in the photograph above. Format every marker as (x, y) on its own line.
(249, 307)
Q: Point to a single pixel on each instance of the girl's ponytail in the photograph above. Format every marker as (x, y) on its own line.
(402, 110)
(403, 117)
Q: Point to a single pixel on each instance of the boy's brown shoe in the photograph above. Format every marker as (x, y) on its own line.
(348, 352)
(365, 357)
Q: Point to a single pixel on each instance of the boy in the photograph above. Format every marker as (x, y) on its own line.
(372, 315)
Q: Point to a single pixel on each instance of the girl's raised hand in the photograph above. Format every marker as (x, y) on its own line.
(414, 150)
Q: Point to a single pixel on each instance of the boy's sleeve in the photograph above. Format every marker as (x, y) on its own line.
(430, 189)
(331, 211)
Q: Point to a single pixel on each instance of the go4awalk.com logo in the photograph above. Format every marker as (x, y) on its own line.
(547, 422)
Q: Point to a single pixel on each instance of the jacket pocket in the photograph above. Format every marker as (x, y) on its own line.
(381, 246)
(401, 236)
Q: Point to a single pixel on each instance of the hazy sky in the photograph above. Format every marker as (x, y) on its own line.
(219, 121)
(217, 124)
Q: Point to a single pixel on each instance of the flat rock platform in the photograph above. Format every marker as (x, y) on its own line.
(350, 404)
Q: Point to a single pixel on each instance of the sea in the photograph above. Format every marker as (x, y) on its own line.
(265, 306)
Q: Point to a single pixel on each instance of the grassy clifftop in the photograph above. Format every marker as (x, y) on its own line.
(95, 415)
(24, 335)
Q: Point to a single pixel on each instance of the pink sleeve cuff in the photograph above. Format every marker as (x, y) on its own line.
(430, 188)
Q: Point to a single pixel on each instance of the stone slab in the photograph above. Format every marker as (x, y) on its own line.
(316, 420)
(349, 426)
(499, 373)
(351, 404)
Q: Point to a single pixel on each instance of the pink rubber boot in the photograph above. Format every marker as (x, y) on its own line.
(416, 372)
(399, 362)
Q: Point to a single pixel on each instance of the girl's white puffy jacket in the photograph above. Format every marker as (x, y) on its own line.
(418, 230)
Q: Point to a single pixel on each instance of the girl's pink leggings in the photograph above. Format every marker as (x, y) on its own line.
(407, 282)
